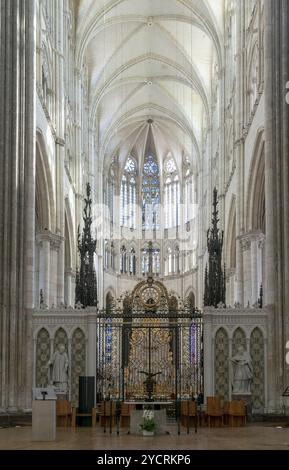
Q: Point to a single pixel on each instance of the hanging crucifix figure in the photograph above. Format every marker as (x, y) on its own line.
(149, 383)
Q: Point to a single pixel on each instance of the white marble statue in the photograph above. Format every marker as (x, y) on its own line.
(242, 372)
(59, 373)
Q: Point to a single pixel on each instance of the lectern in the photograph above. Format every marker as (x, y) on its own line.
(44, 414)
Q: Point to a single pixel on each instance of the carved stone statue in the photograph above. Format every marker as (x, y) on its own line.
(58, 376)
(242, 372)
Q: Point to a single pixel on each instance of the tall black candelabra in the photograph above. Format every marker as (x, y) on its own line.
(86, 285)
(215, 279)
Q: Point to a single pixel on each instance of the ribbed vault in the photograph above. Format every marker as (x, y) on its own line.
(152, 59)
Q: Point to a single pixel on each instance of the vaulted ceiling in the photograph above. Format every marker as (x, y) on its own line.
(149, 59)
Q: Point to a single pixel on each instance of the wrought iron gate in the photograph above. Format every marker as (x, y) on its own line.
(149, 356)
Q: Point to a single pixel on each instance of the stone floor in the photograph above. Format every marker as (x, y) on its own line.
(253, 437)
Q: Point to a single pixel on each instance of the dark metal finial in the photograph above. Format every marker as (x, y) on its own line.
(86, 285)
(215, 279)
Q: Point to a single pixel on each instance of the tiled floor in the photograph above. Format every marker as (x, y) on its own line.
(261, 436)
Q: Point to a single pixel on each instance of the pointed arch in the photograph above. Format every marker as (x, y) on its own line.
(150, 192)
(108, 301)
(60, 337)
(239, 339)
(192, 300)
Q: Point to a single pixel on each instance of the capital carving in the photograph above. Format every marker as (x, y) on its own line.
(245, 243)
(70, 272)
(248, 238)
(54, 239)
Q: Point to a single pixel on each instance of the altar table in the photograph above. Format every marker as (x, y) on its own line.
(160, 416)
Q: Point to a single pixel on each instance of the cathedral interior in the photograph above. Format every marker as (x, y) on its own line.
(143, 205)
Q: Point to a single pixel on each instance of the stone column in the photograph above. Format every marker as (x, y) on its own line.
(254, 270)
(270, 13)
(257, 241)
(37, 248)
(17, 200)
(68, 287)
(284, 187)
(60, 144)
(73, 282)
(276, 25)
(230, 295)
(44, 267)
(261, 248)
(239, 147)
(78, 147)
(53, 274)
(245, 242)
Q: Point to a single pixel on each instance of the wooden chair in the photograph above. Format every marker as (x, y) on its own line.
(237, 413)
(76, 413)
(107, 414)
(125, 414)
(189, 415)
(214, 410)
(63, 412)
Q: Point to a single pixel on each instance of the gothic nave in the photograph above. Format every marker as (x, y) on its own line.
(144, 209)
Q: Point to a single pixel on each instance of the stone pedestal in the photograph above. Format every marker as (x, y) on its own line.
(43, 420)
(247, 399)
(136, 419)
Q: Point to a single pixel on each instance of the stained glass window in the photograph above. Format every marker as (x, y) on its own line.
(132, 262)
(123, 260)
(151, 194)
(171, 194)
(128, 195)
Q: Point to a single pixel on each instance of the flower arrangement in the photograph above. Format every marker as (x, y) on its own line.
(149, 423)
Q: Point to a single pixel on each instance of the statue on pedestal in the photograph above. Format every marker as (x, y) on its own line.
(58, 370)
(242, 372)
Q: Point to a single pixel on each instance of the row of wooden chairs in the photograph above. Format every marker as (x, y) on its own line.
(104, 413)
(67, 415)
(232, 413)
